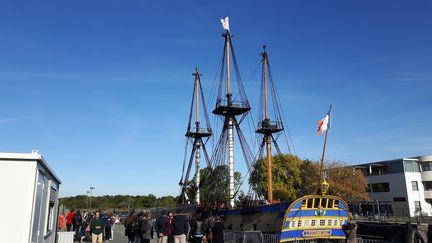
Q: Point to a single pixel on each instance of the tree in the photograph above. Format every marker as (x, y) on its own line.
(214, 185)
(346, 182)
(285, 173)
(294, 177)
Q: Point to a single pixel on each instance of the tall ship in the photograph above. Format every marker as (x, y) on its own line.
(248, 204)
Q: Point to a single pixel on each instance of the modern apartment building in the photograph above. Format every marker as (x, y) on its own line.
(401, 187)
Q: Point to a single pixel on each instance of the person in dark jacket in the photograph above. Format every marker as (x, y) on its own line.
(97, 226)
(350, 230)
(181, 227)
(108, 224)
(127, 224)
(162, 227)
(170, 227)
(217, 231)
(77, 223)
(198, 229)
(146, 228)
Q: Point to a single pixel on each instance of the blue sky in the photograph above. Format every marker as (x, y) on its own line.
(102, 88)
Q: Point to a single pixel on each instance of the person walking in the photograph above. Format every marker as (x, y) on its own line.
(136, 225)
(180, 226)
(77, 223)
(209, 222)
(108, 225)
(350, 230)
(97, 226)
(217, 231)
(170, 227)
(197, 229)
(69, 219)
(162, 227)
(128, 226)
(146, 228)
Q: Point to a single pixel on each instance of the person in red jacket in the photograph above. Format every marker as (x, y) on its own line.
(69, 219)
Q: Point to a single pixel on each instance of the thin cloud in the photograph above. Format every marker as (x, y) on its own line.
(13, 119)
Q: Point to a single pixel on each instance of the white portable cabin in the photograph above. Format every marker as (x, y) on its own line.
(29, 199)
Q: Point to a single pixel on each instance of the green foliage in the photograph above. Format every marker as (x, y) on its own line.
(117, 202)
(294, 177)
(286, 170)
(214, 184)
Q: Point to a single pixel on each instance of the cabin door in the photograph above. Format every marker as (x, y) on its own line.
(37, 232)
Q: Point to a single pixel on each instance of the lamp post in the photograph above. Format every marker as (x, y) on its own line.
(87, 201)
(91, 194)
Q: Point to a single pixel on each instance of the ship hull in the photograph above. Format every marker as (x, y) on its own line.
(265, 218)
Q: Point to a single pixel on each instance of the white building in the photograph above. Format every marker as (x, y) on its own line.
(401, 187)
(29, 199)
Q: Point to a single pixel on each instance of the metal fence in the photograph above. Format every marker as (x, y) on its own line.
(258, 237)
(270, 238)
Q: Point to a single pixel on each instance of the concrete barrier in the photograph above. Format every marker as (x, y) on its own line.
(65, 237)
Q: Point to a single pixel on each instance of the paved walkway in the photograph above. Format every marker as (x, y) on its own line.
(119, 236)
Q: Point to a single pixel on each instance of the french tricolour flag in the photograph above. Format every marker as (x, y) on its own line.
(324, 124)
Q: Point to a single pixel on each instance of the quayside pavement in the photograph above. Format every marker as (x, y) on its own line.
(119, 236)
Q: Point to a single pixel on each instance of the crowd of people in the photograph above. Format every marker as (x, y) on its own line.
(95, 227)
(173, 228)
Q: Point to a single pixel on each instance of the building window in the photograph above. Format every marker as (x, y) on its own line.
(381, 187)
(378, 170)
(411, 166)
(417, 206)
(427, 185)
(414, 185)
(426, 166)
(51, 219)
(368, 188)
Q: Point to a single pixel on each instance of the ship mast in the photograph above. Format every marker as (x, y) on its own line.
(230, 122)
(229, 108)
(195, 136)
(266, 126)
(197, 144)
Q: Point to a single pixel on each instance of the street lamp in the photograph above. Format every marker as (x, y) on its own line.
(87, 200)
(91, 194)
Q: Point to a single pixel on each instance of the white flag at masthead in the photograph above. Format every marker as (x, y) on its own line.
(225, 23)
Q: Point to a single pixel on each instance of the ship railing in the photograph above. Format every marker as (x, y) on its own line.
(223, 102)
(359, 240)
(270, 124)
(259, 237)
(200, 130)
(270, 238)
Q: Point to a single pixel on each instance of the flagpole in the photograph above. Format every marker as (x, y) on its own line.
(320, 179)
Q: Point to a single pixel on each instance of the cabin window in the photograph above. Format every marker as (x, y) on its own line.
(336, 204)
(316, 202)
(310, 203)
(330, 203)
(323, 202)
(293, 223)
(322, 222)
(341, 222)
(329, 222)
(313, 222)
(335, 222)
(299, 223)
(306, 223)
(303, 203)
